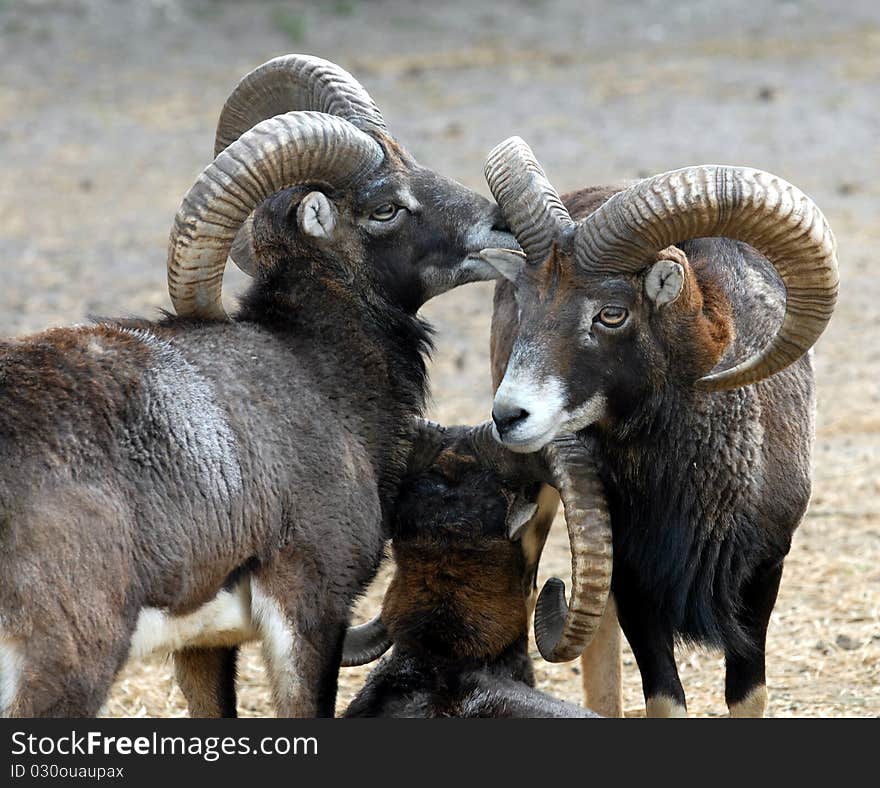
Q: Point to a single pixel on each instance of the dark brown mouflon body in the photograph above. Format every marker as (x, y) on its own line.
(456, 608)
(187, 485)
(150, 466)
(686, 472)
(612, 327)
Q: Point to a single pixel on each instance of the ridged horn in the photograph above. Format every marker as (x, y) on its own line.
(563, 630)
(428, 441)
(293, 83)
(749, 205)
(284, 151)
(289, 83)
(365, 643)
(530, 204)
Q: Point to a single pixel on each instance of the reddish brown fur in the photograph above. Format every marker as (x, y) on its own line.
(555, 279)
(59, 370)
(481, 589)
(699, 322)
(396, 157)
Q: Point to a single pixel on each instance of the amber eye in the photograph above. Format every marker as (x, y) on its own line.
(612, 316)
(385, 213)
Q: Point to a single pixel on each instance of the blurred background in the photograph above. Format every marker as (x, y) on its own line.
(107, 113)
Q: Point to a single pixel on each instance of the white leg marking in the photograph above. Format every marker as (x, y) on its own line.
(662, 706)
(278, 646)
(224, 621)
(752, 705)
(11, 668)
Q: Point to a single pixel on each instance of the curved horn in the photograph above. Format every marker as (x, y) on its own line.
(293, 83)
(752, 206)
(530, 204)
(300, 147)
(242, 251)
(429, 440)
(365, 643)
(289, 83)
(563, 630)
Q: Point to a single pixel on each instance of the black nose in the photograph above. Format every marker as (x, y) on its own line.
(507, 417)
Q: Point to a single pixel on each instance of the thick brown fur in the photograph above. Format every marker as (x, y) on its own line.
(457, 607)
(176, 459)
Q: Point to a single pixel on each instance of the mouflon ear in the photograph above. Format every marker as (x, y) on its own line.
(317, 216)
(507, 262)
(664, 281)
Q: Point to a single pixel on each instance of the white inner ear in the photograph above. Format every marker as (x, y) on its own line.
(506, 262)
(316, 215)
(664, 282)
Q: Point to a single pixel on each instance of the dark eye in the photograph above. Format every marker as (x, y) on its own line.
(612, 316)
(385, 213)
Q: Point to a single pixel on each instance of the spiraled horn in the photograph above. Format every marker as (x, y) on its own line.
(562, 630)
(289, 83)
(530, 204)
(293, 83)
(752, 206)
(300, 147)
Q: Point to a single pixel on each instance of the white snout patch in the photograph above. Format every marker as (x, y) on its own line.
(544, 400)
(224, 621)
(11, 668)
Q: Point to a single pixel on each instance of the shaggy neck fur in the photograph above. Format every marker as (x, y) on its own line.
(456, 605)
(668, 540)
(372, 351)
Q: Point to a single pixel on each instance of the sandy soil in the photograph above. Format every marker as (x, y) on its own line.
(107, 113)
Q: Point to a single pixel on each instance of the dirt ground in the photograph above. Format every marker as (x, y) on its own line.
(107, 113)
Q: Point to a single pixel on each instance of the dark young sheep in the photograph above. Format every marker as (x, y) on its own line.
(198, 482)
(611, 333)
(457, 608)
